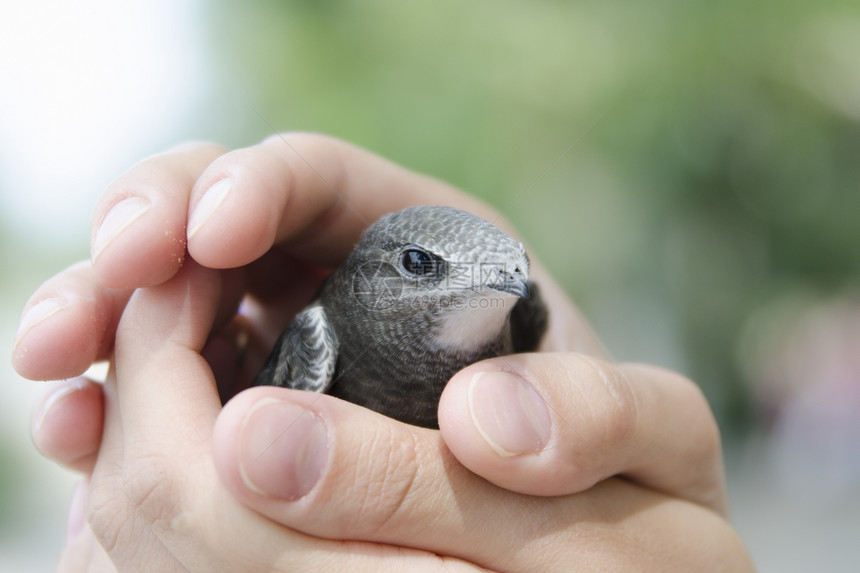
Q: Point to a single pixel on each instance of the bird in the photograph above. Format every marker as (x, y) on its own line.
(426, 291)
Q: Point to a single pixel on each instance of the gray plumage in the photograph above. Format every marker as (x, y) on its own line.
(427, 291)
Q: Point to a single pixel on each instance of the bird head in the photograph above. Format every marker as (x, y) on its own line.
(457, 272)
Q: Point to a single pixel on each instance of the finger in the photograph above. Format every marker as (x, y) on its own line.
(316, 194)
(313, 192)
(67, 325)
(67, 423)
(138, 234)
(554, 424)
(155, 407)
(162, 326)
(329, 468)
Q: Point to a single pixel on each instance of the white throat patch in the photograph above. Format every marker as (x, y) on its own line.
(476, 323)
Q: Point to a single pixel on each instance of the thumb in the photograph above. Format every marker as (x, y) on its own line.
(556, 424)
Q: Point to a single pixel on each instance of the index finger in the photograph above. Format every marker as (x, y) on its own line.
(138, 231)
(314, 195)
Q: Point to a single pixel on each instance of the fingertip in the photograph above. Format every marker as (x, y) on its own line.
(235, 207)
(315, 463)
(119, 217)
(224, 439)
(268, 443)
(138, 234)
(498, 420)
(139, 241)
(67, 423)
(473, 424)
(67, 325)
(34, 314)
(58, 336)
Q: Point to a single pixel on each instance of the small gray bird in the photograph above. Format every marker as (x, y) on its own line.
(427, 291)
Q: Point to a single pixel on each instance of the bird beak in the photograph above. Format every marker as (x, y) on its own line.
(511, 284)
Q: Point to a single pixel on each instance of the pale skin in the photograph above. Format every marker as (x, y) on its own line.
(627, 475)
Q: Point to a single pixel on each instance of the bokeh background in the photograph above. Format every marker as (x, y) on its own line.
(690, 171)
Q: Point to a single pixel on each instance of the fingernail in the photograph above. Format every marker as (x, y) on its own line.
(212, 198)
(63, 389)
(38, 313)
(116, 221)
(283, 449)
(509, 413)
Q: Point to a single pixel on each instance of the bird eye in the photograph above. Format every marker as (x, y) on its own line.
(419, 263)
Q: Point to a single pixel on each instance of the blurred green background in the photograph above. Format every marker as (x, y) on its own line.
(690, 171)
(681, 162)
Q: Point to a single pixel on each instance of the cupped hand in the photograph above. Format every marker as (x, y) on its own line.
(283, 211)
(357, 491)
(154, 501)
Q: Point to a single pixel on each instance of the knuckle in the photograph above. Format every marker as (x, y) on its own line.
(386, 496)
(144, 492)
(298, 146)
(195, 146)
(704, 431)
(307, 137)
(153, 488)
(616, 406)
(692, 411)
(107, 512)
(281, 136)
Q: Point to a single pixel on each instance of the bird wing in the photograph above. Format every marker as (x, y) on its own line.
(529, 320)
(305, 355)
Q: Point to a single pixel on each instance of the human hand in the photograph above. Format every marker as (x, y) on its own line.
(617, 436)
(156, 503)
(287, 219)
